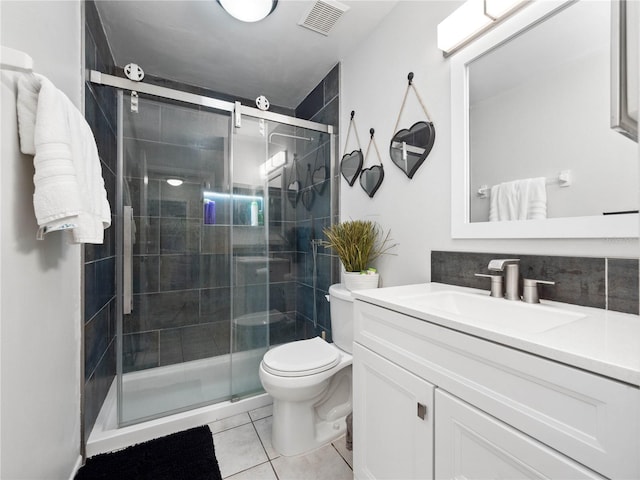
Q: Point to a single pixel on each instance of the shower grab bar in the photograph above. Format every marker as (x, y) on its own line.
(127, 260)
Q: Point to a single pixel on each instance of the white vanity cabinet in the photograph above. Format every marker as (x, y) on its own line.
(491, 411)
(471, 444)
(394, 414)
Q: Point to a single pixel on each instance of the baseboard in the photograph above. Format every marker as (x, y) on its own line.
(76, 467)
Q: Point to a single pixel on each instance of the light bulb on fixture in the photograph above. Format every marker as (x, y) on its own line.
(175, 182)
(248, 10)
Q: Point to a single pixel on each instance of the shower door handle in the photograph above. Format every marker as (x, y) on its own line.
(127, 261)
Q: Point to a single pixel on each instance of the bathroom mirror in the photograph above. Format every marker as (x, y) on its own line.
(351, 165)
(409, 147)
(320, 171)
(371, 179)
(531, 99)
(625, 84)
(294, 187)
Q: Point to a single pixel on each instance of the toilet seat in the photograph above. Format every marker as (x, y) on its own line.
(301, 358)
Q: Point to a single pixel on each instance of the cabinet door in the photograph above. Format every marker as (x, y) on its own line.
(392, 420)
(471, 444)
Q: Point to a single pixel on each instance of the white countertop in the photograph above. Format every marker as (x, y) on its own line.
(603, 342)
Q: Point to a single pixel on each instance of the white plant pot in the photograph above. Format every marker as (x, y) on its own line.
(357, 281)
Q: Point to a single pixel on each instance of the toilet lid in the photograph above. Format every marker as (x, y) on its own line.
(304, 357)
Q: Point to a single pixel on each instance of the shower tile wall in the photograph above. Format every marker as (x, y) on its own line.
(610, 283)
(181, 267)
(99, 266)
(322, 106)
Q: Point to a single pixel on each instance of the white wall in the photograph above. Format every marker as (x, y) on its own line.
(40, 307)
(417, 211)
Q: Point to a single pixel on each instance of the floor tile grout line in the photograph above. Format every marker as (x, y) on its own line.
(341, 456)
(246, 469)
(263, 447)
(230, 428)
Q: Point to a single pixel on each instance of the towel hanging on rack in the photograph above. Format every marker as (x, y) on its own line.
(519, 200)
(69, 188)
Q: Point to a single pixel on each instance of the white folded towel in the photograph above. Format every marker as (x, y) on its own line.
(69, 188)
(519, 200)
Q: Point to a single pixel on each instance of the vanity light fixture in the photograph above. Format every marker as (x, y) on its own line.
(249, 10)
(471, 20)
(175, 182)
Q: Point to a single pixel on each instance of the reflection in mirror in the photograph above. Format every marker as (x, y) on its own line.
(538, 105)
(625, 84)
(319, 177)
(308, 194)
(530, 99)
(294, 186)
(409, 147)
(350, 166)
(320, 171)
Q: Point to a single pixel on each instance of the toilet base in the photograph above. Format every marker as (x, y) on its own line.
(291, 436)
(301, 426)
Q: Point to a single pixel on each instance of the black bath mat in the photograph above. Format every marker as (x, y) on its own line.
(187, 455)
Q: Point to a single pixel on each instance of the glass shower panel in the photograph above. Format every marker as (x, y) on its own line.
(250, 291)
(280, 172)
(175, 343)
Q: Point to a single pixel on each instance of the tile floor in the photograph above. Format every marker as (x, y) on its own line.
(244, 452)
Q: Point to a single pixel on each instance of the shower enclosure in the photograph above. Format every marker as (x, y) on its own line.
(217, 206)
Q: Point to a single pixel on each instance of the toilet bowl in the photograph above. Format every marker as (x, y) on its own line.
(310, 383)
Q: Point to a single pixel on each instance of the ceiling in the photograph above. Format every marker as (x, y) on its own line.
(198, 43)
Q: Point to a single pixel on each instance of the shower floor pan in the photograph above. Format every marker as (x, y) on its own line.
(171, 388)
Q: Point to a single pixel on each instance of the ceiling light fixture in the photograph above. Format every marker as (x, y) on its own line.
(248, 10)
(175, 182)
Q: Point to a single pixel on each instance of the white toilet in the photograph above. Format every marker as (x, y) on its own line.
(310, 383)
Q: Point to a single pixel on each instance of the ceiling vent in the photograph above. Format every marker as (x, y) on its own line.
(323, 15)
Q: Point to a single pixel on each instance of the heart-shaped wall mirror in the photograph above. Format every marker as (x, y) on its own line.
(351, 165)
(409, 147)
(294, 186)
(320, 171)
(293, 192)
(371, 179)
(319, 176)
(308, 195)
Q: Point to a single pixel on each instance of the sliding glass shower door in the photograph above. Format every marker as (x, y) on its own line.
(215, 216)
(176, 225)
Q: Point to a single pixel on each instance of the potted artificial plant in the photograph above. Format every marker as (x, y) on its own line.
(357, 243)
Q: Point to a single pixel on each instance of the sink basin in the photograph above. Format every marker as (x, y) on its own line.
(496, 313)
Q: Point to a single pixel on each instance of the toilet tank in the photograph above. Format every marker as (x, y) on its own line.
(341, 304)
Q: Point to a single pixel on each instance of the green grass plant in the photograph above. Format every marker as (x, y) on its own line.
(357, 243)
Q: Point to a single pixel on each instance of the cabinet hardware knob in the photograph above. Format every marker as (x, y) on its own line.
(422, 410)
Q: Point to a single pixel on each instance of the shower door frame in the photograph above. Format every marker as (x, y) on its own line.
(236, 111)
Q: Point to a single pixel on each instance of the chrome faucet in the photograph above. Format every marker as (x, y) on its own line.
(511, 269)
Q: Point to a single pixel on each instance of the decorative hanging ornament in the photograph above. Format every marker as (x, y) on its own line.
(371, 178)
(294, 187)
(410, 146)
(351, 163)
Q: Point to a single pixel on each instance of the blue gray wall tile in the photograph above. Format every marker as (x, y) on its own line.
(623, 284)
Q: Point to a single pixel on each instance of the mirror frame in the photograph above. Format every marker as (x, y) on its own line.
(604, 226)
(621, 120)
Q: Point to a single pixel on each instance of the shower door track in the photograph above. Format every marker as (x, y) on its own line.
(237, 108)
